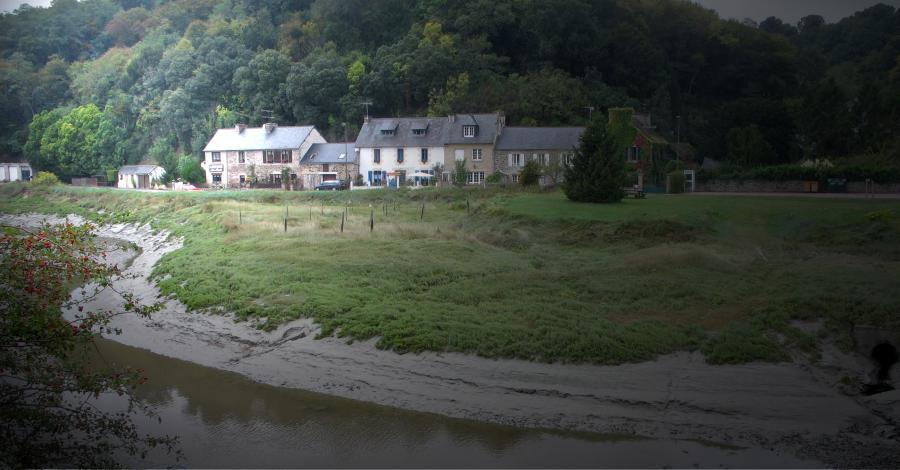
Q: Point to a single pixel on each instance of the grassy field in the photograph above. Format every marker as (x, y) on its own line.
(523, 275)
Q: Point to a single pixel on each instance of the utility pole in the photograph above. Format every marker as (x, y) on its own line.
(678, 128)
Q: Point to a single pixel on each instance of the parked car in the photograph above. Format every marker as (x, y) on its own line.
(332, 185)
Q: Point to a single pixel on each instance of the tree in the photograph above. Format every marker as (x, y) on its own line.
(82, 142)
(189, 169)
(748, 148)
(597, 173)
(460, 174)
(46, 386)
(530, 174)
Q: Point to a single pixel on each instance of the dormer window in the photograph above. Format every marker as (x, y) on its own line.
(418, 131)
(387, 132)
(468, 131)
(342, 156)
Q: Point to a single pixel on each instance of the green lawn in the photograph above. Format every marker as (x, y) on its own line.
(525, 275)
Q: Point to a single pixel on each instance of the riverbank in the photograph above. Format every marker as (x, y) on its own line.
(794, 407)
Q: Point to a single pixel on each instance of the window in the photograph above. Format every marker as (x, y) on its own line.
(217, 178)
(468, 131)
(270, 157)
(241, 157)
(324, 168)
(342, 156)
(216, 157)
(399, 155)
(566, 158)
(387, 132)
(275, 178)
(424, 155)
(377, 158)
(543, 159)
(285, 156)
(515, 178)
(633, 154)
(516, 159)
(475, 177)
(476, 155)
(418, 131)
(242, 178)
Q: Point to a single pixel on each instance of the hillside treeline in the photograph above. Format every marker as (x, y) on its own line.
(92, 84)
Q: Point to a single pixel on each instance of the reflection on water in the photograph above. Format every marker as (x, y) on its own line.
(226, 420)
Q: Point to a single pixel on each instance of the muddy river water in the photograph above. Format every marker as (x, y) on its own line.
(226, 420)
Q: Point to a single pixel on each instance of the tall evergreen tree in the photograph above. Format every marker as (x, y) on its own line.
(597, 173)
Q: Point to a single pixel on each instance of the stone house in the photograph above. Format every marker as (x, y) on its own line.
(552, 147)
(471, 138)
(649, 152)
(233, 155)
(325, 162)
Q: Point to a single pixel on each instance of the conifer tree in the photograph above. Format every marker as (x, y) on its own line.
(597, 172)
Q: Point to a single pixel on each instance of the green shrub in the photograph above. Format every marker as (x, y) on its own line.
(530, 174)
(494, 178)
(44, 178)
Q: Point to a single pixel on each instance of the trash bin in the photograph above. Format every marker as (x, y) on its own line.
(837, 185)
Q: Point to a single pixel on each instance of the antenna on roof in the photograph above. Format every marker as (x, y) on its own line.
(366, 103)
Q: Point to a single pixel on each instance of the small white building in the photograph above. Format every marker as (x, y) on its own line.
(15, 172)
(140, 176)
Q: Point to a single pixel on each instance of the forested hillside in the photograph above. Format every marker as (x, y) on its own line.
(88, 85)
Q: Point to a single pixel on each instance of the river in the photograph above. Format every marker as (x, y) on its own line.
(225, 420)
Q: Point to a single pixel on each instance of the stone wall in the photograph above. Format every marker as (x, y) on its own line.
(794, 186)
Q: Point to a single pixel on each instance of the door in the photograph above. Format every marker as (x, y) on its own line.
(26, 175)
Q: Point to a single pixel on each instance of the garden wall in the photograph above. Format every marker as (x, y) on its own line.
(790, 186)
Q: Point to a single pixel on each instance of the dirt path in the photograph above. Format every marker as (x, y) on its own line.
(791, 407)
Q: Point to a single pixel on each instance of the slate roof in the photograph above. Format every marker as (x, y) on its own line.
(137, 169)
(485, 133)
(370, 135)
(256, 138)
(539, 138)
(330, 153)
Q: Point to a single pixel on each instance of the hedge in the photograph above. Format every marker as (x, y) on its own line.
(806, 173)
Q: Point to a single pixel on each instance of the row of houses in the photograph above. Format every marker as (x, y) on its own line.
(404, 151)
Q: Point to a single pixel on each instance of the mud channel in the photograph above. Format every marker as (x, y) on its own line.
(673, 408)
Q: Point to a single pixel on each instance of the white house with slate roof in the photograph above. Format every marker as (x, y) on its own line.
(400, 151)
(232, 153)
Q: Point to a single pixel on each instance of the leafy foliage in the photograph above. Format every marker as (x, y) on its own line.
(44, 178)
(530, 175)
(162, 70)
(46, 386)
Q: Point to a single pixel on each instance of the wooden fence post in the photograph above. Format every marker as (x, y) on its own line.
(422, 215)
(372, 220)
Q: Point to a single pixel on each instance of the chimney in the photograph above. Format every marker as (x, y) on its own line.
(240, 127)
(366, 118)
(451, 117)
(269, 127)
(501, 121)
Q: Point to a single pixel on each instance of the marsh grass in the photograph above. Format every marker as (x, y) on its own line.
(525, 275)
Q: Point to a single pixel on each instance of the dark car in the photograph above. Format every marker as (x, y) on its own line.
(331, 185)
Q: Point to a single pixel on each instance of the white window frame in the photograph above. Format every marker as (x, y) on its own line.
(633, 153)
(242, 157)
(515, 178)
(216, 157)
(477, 155)
(468, 131)
(376, 156)
(475, 177)
(518, 159)
(567, 158)
(269, 156)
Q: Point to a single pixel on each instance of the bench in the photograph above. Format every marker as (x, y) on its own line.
(635, 192)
